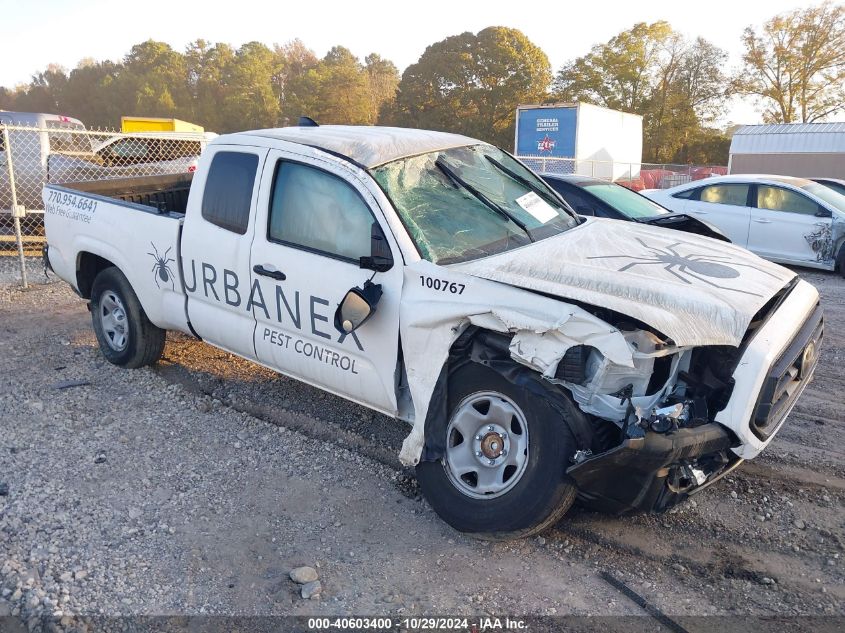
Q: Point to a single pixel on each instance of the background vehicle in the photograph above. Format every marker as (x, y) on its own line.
(139, 154)
(834, 183)
(603, 199)
(786, 220)
(538, 355)
(45, 136)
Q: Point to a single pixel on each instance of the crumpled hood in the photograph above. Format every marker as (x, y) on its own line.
(696, 290)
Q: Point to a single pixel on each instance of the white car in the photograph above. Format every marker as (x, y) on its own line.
(783, 219)
(538, 355)
(140, 154)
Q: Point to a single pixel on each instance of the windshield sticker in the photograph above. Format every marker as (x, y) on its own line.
(539, 209)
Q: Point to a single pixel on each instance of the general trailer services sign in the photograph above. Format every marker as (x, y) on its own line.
(546, 132)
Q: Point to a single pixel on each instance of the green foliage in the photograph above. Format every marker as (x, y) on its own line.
(796, 65)
(215, 86)
(703, 146)
(677, 86)
(471, 84)
(620, 74)
(467, 83)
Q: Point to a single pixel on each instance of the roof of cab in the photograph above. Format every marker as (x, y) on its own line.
(369, 146)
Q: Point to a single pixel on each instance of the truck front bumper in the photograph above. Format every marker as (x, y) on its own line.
(655, 472)
(775, 367)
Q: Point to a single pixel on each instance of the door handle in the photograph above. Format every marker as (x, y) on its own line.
(258, 269)
(762, 221)
(698, 212)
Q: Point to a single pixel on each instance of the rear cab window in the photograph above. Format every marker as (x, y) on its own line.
(227, 197)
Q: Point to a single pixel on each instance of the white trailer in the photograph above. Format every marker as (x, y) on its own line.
(591, 140)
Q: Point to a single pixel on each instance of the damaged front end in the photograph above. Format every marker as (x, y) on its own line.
(645, 430)
(655, 471)
(826, 241)
(641, 402)
(655, 440)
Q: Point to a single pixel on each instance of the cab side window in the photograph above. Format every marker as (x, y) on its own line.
(227, 198)
(778, 199)
(736, 195)
(316, 211)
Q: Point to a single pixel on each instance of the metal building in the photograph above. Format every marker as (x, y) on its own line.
(789, 149)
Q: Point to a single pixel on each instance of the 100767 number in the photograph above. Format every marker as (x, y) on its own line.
(443, 285)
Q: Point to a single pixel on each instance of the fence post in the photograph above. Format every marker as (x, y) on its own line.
(14, 210)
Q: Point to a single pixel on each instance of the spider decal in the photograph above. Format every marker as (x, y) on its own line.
(161, 269)
(697, 266)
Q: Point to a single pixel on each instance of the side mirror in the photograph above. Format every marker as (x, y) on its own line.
(824, 213)
(380, 259)
(357, 306)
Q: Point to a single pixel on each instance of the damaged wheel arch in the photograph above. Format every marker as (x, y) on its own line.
(502, 472)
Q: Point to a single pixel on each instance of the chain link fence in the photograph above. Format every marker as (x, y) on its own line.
(636, 176)
(32, 156)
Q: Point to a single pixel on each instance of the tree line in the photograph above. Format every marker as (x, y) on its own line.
(793, 66)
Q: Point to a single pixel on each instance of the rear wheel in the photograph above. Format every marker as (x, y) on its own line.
(126, 336)
(503, 472)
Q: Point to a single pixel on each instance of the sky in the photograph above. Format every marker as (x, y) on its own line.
(35, 33)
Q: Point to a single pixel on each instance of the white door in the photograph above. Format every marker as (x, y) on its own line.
(783, 223)
(726, 206)
(216, 240)
(313, 226)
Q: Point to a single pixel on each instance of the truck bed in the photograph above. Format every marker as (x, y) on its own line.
(163, 194)
(132, 223)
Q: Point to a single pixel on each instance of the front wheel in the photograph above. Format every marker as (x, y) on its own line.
(506, 452)
(126, 336)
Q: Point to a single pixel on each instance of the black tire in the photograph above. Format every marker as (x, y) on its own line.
(144, 342)
(542, 494)
(840, 260)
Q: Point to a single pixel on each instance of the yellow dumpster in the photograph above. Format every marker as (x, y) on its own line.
(152, 124)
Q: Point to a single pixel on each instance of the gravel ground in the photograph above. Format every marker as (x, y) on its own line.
(10, 272)
(198, 485)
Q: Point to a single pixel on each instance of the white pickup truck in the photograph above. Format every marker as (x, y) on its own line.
(538, 356)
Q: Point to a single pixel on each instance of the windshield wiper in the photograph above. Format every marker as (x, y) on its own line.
(460, 182)
(522, 180)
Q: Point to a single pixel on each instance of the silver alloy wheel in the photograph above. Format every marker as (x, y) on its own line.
(486, 445)
(113, 321)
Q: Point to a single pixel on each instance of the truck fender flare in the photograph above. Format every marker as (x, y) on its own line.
(491, 350)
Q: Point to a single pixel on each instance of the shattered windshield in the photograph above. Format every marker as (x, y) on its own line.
(469, 202)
